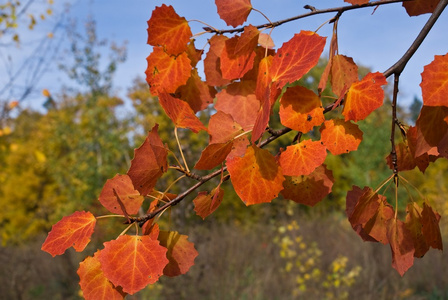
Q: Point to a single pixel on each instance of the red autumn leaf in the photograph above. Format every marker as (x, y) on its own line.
(302, 158)
(130, 198)
(248, 40)
(212, 61)
(406, 160)
(301, 109)
(196, 92)
(149, 163)
(71, 231)
(265, 40)
(180, 113)
(222, 128)
(430, 117)
(376, 227)
(442, 147)
(264, 78)
(364, 97)
(414, 225)
(367, 205)
(235, 12)
(205, 204)
(344, 72)
(333, 51)
(262, 120)
(357, 2)
(239, 147)
(213, 155)
(418, 7)
(133, 262)
(431, 229)
(235, 62)
(340, 136)
(167, 29)
(181, 253)
(435, 82)
(94, 285)
(166, 73)
(256, 176)
(296, 57)
(311, 189)
(352, 200)
(239, 101)
(194, 54)
(401, 245)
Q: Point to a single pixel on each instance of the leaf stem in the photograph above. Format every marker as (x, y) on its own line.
(180, 149)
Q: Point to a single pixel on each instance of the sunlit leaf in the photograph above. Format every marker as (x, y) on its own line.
(181, 253)
(149, 163)
(256, 177)
(71, 231)
(206, 203)
(94, 285)
(344, 72)
(401, 245)
(435, 82)
(222, 128)
(133, 262)
(124, 188)
(213, 155)
(340, 136)
(235, 62)
(302, 158)
(265, 40)
(235, 12)
(212, 61)
(166, 28)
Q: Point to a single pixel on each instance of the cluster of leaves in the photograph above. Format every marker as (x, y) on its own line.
(247, 77)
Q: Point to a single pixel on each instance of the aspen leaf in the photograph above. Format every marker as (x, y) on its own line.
(239, 101)
(435, 82)
(401, 245)
(235, 62)
(166, 73)
(264, 78)
(340, 136)
(149, 163)
(296, 57)
(205, 204)
(212, 61)
(364, 97)
(256, 176)
(180, 113)
(181, 253)
(222, 128)
(344, 72)
(239, 147)
(430, 117)
(265, 41)
(196, 92)
(247, 41)
(262, 120)
(311, 189)
(133, 262)
(366, 206)
(376, 227)
(302, 158)
(130, 198)
(414, 225)
(71, 231)
(94, 285)
(213, 155)
(301, 109)
(352, 200)
(235, 12)
(166, 28)
(418, 7)
(194, 54)
(431, 229)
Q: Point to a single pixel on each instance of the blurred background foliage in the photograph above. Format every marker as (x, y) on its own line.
(55, 160)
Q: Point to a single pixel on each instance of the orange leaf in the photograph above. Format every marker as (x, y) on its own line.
(311, 189)
(149, 163)
(302, 158)
(239, 101)
(223, 128)
(166, 28)
(414, 225)
(237, 58)
(431, 229)
(367, 205)
(401, 246)
(256, 176)
(213, 155)
(130, 198)
(364, 97)
(205, 204)
(194, 54)
(181, 253)
(357, 2)
(262, 120)
(133, 262)
(71, 231)
(248, 41)
(340, 136)
(296, 57)
(212, 61)
(376, 227)
(94, 285)
(301, 109)
(196, 92)
(435, 82)
(180, 113)
(234, 12)
(264, 78)
(418, 7)
(239, 147)
(166, 73)
(344, 72)
(431, 128)
(266, 41)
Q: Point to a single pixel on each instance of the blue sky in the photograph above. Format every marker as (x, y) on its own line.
(376, 41)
